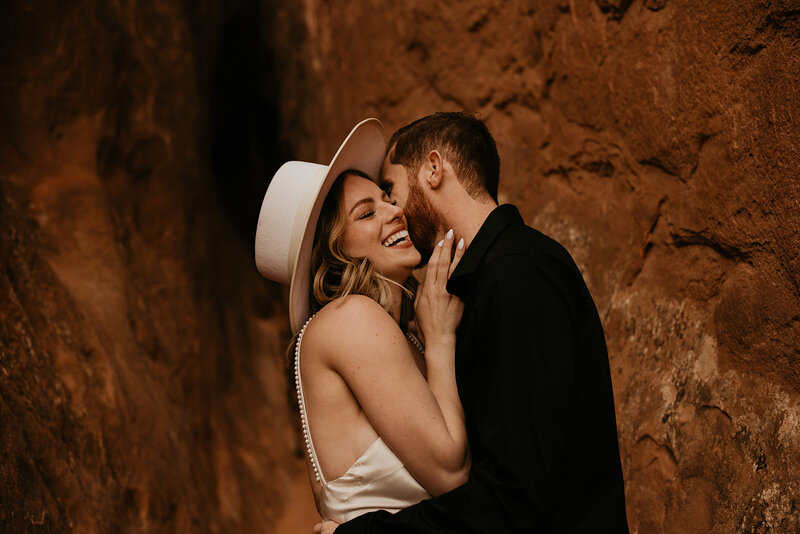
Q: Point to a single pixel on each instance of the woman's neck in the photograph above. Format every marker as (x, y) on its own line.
(397, 302)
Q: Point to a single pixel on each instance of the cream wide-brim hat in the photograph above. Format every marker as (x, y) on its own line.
(291, 207)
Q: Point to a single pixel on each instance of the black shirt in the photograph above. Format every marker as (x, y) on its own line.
(533, 377)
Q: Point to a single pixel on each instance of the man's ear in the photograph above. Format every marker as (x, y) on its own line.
(434, 169)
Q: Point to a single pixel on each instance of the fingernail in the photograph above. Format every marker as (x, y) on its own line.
(460, 243)
(449, 234)
(440, 243)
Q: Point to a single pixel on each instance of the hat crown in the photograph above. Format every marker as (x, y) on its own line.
(284, 211)
(291, 208)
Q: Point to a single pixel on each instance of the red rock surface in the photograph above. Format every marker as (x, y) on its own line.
(659, 141)
(142, 382)
(142, 386)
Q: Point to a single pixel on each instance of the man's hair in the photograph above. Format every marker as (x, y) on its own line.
(463, 140)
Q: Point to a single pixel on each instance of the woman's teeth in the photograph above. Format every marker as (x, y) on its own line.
(394, 238)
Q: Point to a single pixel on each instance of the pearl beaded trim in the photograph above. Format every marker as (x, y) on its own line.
(302, 405)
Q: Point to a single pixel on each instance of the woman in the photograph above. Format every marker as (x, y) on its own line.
(383, 426)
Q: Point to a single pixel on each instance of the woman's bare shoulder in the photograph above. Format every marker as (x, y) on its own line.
(352, 311)
(344, 326)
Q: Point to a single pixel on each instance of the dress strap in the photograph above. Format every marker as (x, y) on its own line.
(312, 454)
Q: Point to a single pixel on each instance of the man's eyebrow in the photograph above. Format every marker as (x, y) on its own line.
(369, 200)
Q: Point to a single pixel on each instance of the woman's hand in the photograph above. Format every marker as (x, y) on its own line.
(326, 527)
(423, 422)
(438, 313)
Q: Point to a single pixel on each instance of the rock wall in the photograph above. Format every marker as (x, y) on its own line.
(659, 141)
(142, 386)
(142, 382)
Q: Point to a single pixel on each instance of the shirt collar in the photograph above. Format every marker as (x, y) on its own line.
(498, 220)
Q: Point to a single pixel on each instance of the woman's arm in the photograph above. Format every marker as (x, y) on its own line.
(437, 315)
(422, 422)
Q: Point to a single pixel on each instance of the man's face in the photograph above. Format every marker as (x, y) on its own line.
(425, 222)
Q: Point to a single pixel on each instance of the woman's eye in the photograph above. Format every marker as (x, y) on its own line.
(367, 214)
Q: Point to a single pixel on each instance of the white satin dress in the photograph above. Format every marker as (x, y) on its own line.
(378, 480)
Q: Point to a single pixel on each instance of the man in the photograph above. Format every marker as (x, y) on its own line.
(531, 360)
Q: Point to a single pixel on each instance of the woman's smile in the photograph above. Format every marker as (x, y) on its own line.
(377, 229)
(399, 239)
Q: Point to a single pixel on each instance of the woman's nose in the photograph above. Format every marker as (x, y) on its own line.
(394, 211)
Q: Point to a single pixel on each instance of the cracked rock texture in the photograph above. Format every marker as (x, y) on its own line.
(659, 141)
(142, 379)
(142, 384)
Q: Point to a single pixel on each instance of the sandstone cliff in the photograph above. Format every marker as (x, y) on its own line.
(142, 382)
(659, 141)
(142, 386)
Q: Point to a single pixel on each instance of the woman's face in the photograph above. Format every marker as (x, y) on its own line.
(376, 229)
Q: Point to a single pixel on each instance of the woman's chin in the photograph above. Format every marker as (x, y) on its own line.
(399, 263)
(401, 271)
(416, 258)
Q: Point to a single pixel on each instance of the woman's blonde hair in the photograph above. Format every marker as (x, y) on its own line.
(335, 273)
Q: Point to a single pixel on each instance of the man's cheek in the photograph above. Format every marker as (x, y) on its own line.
(412, 230)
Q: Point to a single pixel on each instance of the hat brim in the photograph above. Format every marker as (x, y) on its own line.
(364, 149)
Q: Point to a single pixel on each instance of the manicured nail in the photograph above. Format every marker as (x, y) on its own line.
(460, 243)
(440, 243)
(449, 234)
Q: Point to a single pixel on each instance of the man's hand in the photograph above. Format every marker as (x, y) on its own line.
(326, 527)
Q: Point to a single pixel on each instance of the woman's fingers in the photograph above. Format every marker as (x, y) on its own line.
(433, 264)
(457, 256)
(421, 294)
(444, 258)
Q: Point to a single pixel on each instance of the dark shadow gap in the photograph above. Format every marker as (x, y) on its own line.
(244, 121)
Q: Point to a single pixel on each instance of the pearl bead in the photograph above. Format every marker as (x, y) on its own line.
(301, 403)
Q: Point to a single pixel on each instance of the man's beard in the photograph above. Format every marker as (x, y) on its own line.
(425, 222)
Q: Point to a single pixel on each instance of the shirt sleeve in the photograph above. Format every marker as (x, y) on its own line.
(523, 331)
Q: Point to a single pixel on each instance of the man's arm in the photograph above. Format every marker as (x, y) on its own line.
(523, 376)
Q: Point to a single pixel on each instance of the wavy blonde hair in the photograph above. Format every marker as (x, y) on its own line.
(335, 273)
